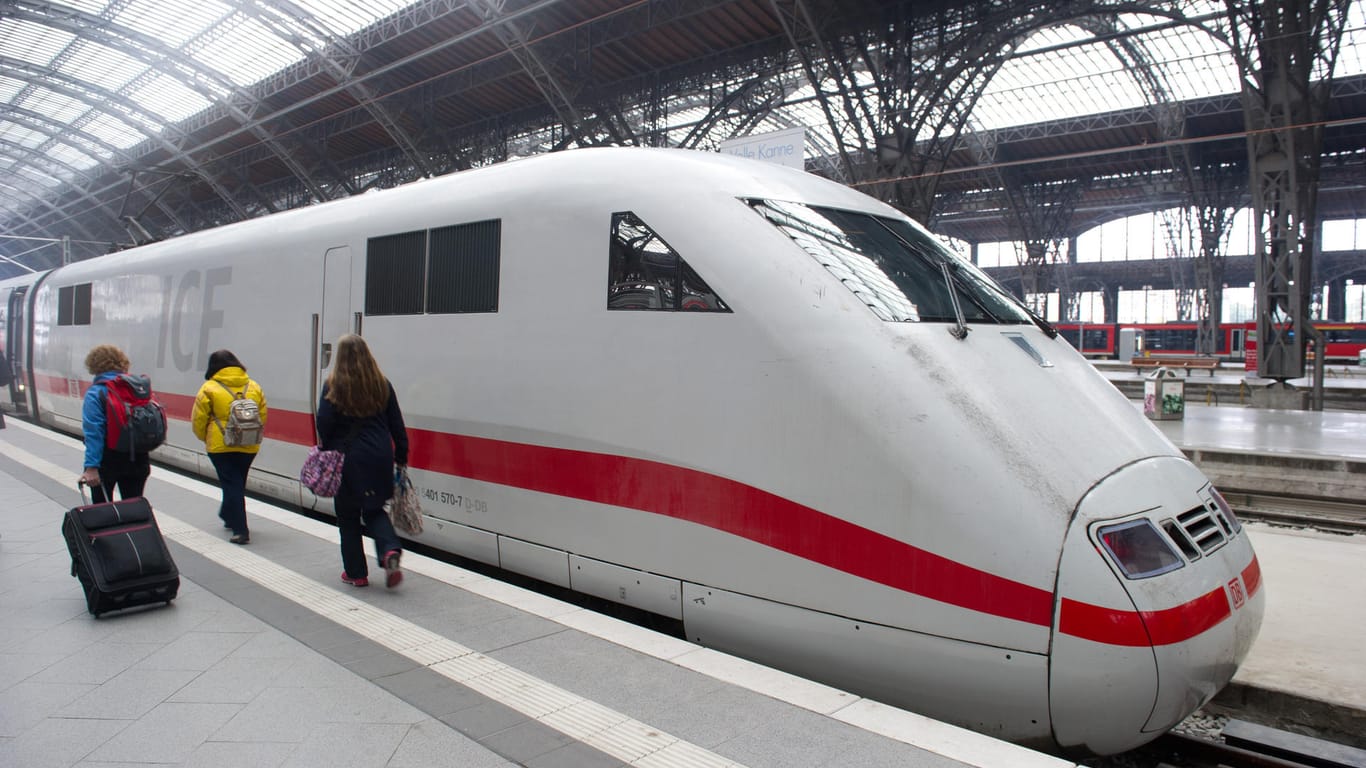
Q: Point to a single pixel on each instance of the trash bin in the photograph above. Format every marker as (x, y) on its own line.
(1164, 395)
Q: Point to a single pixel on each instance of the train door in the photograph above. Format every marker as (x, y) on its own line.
(335, 318)
(1237, 341)
(15, 349)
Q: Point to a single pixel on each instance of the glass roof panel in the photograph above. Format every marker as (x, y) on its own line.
(246, 51)
(168, 98)
(57, 108)
(95, 7)
(1352, 56)
(172, 23)
(94, 63)
(1059, 76)
(114, 131)
(35, 176)
(345, 18)
(10, 86)
(24, 137)
(69, 155)
(31, 42)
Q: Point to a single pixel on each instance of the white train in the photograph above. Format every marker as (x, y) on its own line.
(726, 392)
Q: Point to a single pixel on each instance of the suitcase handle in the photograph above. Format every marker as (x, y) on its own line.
(85, 498)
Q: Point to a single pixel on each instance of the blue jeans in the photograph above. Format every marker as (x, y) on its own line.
(352, 522)
(232, 468)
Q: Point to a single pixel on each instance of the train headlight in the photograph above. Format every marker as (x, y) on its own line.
(1225, 509)
(1139, 549)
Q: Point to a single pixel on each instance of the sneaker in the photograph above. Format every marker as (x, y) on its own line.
(356, 582)
(240, 538)
(392, 575)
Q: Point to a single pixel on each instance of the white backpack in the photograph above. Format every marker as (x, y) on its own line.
(244, 419)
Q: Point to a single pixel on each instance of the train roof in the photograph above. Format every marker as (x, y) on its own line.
(615, 178)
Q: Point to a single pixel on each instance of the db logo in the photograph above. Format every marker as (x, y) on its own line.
(1235, 589)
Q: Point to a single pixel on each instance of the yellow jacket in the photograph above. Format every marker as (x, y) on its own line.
(213, 401)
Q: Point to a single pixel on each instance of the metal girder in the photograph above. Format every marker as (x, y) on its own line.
(824, 71)
(62, 133)
(1194, 300)
(557, 90)
(211, 84)
(389, 28)
(925, 98)
(1286, 62)
(68, 134)
(338, 57)
(152, 126)
(1042, 211)
(758, 95)
(454, 40)
(24, 195)
(34, 159)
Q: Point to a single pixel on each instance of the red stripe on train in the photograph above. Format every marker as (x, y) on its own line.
(282, 425)
(726, 505)
(1164, 627)
(756, 515)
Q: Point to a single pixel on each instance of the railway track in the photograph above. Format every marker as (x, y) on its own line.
(1300, 512)
(1236, 744)
(1253, 747)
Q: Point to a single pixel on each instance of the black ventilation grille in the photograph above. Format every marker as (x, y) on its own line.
(1203, 528)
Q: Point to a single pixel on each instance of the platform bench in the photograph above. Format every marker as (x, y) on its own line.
(1210, 364)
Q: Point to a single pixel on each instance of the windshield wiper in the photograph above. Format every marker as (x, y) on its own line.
(1043, 324)
(959, 331)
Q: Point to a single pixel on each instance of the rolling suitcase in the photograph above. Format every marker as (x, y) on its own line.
(119, 555)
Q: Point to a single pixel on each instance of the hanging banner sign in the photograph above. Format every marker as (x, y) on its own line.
(782, 147)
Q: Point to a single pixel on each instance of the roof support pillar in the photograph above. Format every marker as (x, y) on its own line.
(1287, 62)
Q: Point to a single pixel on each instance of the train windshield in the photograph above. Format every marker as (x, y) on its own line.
(892, 265)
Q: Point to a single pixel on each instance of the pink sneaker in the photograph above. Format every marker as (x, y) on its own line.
(392, 575)
(358, 582)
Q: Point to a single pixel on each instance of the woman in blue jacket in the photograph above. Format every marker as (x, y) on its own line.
(107, 469)
(358, 415)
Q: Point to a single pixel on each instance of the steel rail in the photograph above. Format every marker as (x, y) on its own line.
(1319, 514)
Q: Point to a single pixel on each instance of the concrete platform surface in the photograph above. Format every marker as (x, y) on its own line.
(267, 659)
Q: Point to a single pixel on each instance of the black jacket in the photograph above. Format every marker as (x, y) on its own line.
(372, 445)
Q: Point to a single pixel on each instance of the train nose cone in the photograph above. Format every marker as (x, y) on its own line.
(1160, 599)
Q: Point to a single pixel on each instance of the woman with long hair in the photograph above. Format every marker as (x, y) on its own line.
(358, 415)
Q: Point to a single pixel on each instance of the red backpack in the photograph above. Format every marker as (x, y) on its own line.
(133, 422)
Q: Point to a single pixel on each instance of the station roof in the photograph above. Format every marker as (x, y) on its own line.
(130, 120)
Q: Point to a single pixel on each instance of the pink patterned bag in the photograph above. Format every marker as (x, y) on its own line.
(322, 472)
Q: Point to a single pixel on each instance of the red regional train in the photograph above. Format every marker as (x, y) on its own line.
(1343, 341)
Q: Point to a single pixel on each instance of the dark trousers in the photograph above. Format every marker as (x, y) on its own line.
(232, 468)
(352, 522)
(119, 471)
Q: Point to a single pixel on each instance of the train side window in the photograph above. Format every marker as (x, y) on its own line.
(462, 268)
(73, 304)
(644, 272)
(395, 266)
(81, 309)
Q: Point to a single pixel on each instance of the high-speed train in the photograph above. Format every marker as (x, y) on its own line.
(734, 394)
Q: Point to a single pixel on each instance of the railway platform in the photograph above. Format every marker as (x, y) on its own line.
(1344, 386)
(266, 658)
